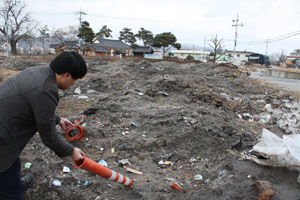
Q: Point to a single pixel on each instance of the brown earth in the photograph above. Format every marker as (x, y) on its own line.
(187, 114)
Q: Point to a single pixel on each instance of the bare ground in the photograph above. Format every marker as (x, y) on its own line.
(148, 113)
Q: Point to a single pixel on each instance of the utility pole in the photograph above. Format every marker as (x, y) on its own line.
(266, 53)
(204, 48)
(80, 13)
(236, 24)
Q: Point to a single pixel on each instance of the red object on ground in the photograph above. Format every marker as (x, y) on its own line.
(81, 120)
(176, 186)
(265, 189)
(79, 135)
(98, 169)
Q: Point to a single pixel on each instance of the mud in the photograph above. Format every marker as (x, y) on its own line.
(189, 114)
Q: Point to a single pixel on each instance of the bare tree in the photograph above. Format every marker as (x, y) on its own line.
(71, 31)
(216, 45)
(58, 35)
(44, 36)
(17, 23)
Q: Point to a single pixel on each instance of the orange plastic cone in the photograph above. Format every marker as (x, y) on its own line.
(79, 135)
(98, 169)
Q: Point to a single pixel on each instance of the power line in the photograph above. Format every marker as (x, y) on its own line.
(271, 40)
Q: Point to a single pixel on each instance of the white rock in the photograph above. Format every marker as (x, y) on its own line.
(83, 97)
(66, 169)
(77, 91)
(56, 183)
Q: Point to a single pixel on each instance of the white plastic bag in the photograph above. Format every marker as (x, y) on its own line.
(284, 151)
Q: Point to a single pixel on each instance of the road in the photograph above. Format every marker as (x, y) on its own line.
(293, 84)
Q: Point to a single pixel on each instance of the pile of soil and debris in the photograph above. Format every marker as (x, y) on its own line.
(173, 122)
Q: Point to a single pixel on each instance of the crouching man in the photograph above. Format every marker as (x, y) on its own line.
(27, 105)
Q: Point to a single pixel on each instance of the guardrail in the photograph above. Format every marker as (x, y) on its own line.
(282, 74)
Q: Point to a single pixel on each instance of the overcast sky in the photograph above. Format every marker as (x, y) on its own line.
(189, 20)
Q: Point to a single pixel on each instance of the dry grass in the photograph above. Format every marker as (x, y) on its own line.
(6, 73)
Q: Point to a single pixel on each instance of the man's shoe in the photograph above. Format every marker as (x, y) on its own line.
(27, 181)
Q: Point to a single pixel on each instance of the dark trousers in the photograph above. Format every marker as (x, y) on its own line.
(10, 183)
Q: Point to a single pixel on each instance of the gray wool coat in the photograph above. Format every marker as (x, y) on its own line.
(27, 105)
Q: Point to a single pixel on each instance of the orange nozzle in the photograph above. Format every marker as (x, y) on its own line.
(98, 169)
(79, 135)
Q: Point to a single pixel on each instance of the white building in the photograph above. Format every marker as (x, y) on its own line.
(239, 55)
(197, 54)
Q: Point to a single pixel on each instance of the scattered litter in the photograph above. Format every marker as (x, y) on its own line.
(133, 171)
(123, 147)
(56, 183)
(103, 163)
(221, 173)
(112, 150)
(66, 169)
(125, 133)
(82, 183)
(28, 165)
(101, 150)
(198, 177)
(176, 186)
(140, 94)
(165, 163)
(124, 162)
(133, 124)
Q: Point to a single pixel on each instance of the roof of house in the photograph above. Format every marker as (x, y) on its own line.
(115, 44)
(240, 52)
(189, 52)
(71, 44)
(98, 47)
(55, 46)
(257, 54)
(140, 49)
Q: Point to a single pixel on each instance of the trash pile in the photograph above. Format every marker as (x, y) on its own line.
(170, 128)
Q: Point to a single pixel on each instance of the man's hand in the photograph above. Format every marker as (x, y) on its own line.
(77, 155)
(65, 124)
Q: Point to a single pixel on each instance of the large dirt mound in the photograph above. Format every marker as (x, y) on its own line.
(150, 113)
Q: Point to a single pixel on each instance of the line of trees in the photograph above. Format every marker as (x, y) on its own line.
(16, 24)
(164, 40)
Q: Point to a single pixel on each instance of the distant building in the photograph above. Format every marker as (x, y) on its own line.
(197, 55)
(240, 55)
(94, 49)
(66, 45)
(114, 47)
(296, 53)
(257, 58)
(140, 50)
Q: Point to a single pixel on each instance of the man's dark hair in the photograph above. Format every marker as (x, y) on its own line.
(69, 61)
